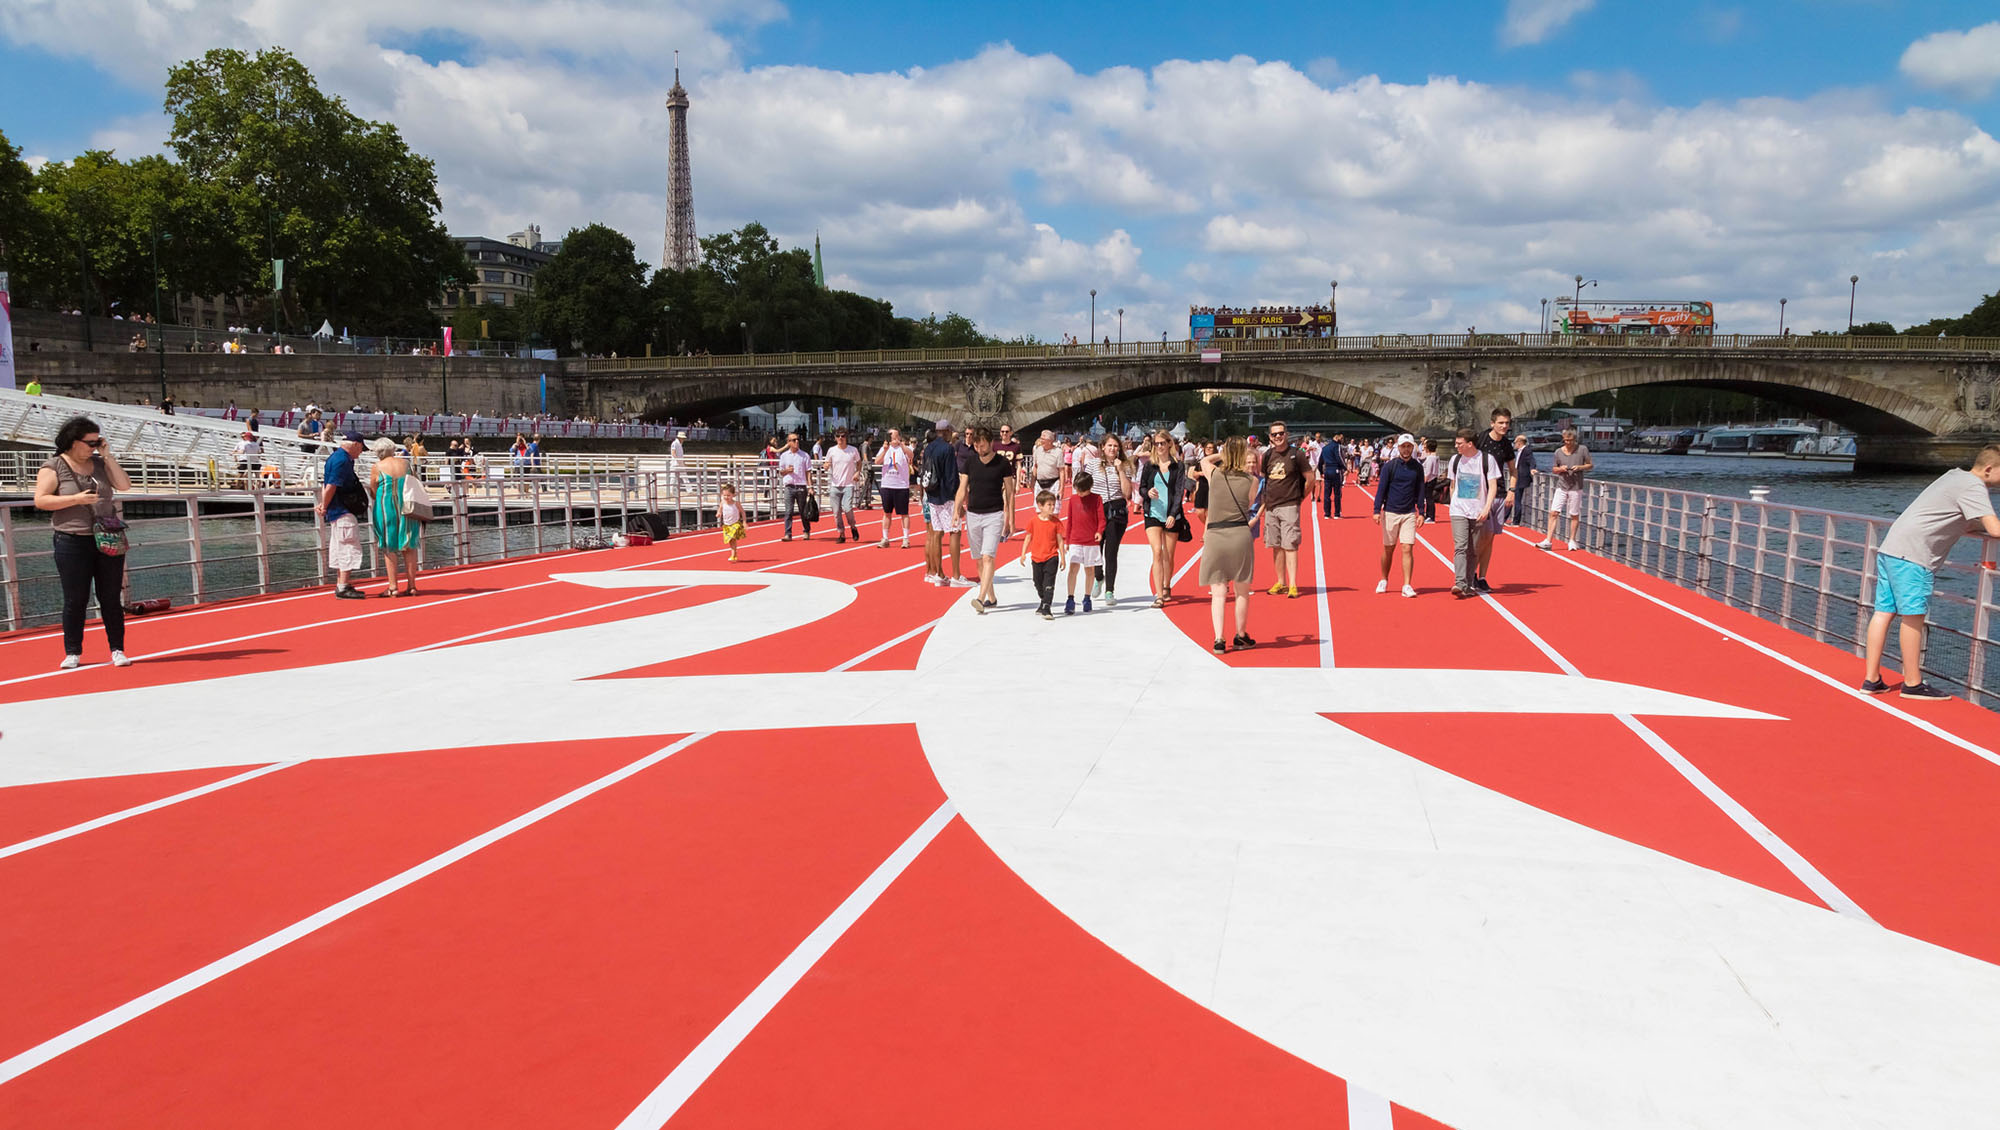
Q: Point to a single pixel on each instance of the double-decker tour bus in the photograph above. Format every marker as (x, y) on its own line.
(1205, 322)
(1610, 316)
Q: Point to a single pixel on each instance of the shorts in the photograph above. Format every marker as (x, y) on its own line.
(1902, 587)
(343, 546)
(1047, 485)
(1153, 523)
(896, 500)
(1281, 526)
(1399, 529)
(942, 517)
(1086, 555)
(982, 532)
(1570, 502)
(1495, 521)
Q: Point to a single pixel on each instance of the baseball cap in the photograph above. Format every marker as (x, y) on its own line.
(352, 437)
(944, 425)
(1405, 438)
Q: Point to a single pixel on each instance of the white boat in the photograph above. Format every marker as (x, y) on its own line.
(1764, 440)
(1836, 448)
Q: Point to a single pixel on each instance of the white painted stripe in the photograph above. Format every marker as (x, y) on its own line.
(878, 649)
(548, 619)
(1185, 569)
(1756, 829)
(886, 576)
(687, 1077)
(142, 809)
(1851, 691)
(131, 1010)
(1367, 1110)
(1319, 583)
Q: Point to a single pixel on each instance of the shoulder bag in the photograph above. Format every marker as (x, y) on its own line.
(416, 501)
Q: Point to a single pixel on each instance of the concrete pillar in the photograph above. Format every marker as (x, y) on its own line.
(1919, 453)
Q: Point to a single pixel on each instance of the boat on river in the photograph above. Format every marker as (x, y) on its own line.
(1773, 441)
(1836, 448)
(1661, 441)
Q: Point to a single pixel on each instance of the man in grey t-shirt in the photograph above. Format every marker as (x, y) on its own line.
(1907, 561)
(1570, 462)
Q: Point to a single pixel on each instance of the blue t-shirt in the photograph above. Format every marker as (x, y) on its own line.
(341, 477)
(941, 468)
(1401, 486)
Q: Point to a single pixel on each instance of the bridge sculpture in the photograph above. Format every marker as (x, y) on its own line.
(1915, 402)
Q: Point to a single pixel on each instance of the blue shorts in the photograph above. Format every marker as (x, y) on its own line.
(1902, 587)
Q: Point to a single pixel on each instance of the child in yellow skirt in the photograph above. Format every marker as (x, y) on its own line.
(731, 514)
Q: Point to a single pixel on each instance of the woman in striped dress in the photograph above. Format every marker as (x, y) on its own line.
(395, 533)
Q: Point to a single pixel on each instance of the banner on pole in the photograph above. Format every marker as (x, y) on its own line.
(6, 336)
(447, 340)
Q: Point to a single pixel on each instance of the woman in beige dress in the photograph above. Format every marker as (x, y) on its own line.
(1228, 552)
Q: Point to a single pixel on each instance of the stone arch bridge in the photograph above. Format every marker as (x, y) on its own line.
(1916, 403)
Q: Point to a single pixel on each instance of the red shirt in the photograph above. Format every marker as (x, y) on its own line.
(1042, 541)
(1083, 519)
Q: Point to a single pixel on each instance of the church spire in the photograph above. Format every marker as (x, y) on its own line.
(819, 268)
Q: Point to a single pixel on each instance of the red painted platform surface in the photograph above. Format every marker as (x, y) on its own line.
(556, 976)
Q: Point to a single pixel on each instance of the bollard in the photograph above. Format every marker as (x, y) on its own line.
(1760, 494)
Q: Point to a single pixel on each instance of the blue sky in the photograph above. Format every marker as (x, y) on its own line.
(1450, 162)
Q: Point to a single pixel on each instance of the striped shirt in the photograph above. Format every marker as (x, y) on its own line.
(1103, 478)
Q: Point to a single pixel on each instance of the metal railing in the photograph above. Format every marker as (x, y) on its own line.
(1807, 569)
(1187, 350)
(223, 544)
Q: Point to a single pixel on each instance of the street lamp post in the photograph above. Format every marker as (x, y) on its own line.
(1333, 306)
(1545, 315)
(1093, 316)
(749, 346)
(159, 333)
(1121, 326)
(1853, 281)
(1781, 316)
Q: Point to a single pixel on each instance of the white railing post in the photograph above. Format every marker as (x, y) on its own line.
(263, 521)
(12, 576)
(193, 506)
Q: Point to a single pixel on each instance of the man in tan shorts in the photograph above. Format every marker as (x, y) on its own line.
(1285, 472)
(1399, 496)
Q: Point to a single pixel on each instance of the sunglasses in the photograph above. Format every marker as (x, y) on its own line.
(93, 443)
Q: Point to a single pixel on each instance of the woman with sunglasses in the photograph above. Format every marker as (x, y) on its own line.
(1162, 493)
(78, 486)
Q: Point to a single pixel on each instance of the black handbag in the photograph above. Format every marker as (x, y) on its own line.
(810, 511)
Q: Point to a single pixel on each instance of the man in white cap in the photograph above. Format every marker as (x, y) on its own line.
(674, 454)
(1399, 511)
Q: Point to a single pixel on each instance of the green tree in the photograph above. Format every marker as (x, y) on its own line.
(21, 229)
(594, 296)
(950, 331)
(348, 206)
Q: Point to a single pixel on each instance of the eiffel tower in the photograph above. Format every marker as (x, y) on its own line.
(682, 251)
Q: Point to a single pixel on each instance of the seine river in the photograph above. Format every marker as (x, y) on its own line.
(1793, 482)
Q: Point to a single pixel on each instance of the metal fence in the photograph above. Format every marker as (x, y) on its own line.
(232, 543)
(1810, 570)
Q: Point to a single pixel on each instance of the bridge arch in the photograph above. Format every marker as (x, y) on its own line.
(1864, 406)
(1084, 396)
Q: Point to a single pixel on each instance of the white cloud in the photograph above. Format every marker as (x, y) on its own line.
(1007, 185)
(1532, 21)
(1964, 63)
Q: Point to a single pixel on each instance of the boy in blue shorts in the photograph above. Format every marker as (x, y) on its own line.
(1906, 565)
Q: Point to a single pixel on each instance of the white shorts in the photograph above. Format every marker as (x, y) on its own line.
(343, 546)
(1086, 555)
(982, 533)
(1568, 502)
(943, 519)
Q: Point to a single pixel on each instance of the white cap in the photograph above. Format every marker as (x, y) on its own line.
(1406, 438)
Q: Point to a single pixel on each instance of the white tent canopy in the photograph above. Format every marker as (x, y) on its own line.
(1179, 431)
(792, 417)
(325, 329)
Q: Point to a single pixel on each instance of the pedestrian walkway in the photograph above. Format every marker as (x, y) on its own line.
(636, 837)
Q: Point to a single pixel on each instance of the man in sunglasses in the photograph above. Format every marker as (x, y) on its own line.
(1286, 473)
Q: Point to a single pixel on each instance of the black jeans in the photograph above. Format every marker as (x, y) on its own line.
(1115, 517)
(80, 566)
(1329, 495)
(1045, 581)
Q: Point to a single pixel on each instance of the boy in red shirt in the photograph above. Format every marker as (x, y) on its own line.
(1044, 549)
(1083, 529)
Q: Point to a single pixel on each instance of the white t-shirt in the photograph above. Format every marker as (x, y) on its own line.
(794, 465)
(895, 468)
(843, 464)
(248, 447)
(1466, 485)
(675, 449)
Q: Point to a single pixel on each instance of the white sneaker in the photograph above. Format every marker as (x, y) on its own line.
(70, 662)
(1381, 587)
(1545, 544)
(933, 579)
(1110, 600)
(883, 544)
(906, 543)
(1573, 545)
(1408, 591)
(118, 659)
(962, 583)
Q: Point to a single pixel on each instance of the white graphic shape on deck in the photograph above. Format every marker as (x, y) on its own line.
(1466, 953)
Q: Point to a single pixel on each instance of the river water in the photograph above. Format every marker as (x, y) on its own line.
(1793, 482)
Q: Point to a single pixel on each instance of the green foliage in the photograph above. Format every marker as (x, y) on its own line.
(593, 296)
(1873, 329)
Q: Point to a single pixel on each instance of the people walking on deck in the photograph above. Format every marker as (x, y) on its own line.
(1569, 464)
(795, 472)
(893, 459)
(78, 486)
(985, 506)
(941, 479)
(1437, 487)
(1285, 471)
(1044, 550)
(1083, 531)
(1163, 494)
(342, 503)
(843, 478)
(1045, 465)
(1907, 561)
(1399, 498)
(1495, 443)
(396, 533)
(1475, 484)
(729, 512)
(1332, 466)
(1112, 475)
(1228, 551)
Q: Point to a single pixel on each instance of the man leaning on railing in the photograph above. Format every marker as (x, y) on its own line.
(1907, 561)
